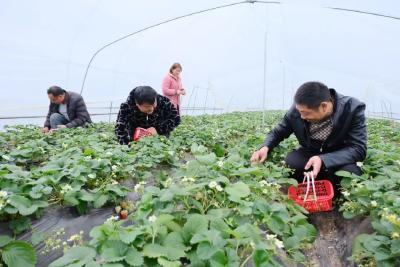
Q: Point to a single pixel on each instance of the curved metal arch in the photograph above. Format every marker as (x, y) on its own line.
(207, 10)
(161, 23)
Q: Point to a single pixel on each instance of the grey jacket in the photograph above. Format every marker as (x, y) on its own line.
(346, 144)
(76, 109)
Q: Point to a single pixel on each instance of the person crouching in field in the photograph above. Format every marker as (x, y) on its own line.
(331, 131)
(67, 110)
(146, 109)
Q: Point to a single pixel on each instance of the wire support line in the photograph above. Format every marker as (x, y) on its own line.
(364, 12)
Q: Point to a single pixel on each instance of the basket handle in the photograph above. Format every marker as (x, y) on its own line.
(308, 186)
(313, 185)
(312, 182)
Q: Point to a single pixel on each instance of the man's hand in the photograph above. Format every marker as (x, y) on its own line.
(152, 130)
(45, 129)
(260, 155)
(316, 163)
(61, 126)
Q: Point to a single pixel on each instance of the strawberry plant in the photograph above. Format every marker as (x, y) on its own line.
(201, 203)
(377, 194)
(14, 253)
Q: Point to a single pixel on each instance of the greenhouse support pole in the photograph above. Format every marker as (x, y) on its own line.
(229, 103)
(205, 102)
(190, 100)
(109, 116)
(284, 85)
(265, 79)
(195, 99)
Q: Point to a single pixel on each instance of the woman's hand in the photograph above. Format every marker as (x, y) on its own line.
(152, 130)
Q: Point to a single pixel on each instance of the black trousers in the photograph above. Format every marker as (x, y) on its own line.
(298, 159)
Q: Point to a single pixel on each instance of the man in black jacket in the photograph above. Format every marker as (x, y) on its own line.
(330, 129)
(66, 110)
(146, 109)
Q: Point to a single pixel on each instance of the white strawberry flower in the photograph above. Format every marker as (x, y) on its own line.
(395, 235)
(359, 164)
(278, 186)
(114, 167)
(219, 188)
(168, 182)
(137, 187)
(279, 243)
(73, 238)
(212, 184)
(275, 240)
(220, 163)
(345, 193)
(152, 218)
(112, 219)
(374, 203)
(3, 194)
(188, 179)
(65, 189)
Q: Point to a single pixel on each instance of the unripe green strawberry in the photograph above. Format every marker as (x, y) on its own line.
(118, 209)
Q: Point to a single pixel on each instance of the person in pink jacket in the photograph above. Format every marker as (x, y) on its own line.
(172, 85)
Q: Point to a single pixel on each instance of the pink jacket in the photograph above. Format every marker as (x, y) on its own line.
(169, 86)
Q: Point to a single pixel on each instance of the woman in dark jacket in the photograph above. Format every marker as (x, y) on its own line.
(146, 109)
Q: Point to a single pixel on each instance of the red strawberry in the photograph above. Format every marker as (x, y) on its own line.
(123, 214)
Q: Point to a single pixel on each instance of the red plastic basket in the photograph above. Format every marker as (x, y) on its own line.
(139, 133)
(324, 195)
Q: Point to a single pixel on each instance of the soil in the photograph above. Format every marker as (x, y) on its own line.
(334, 240)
